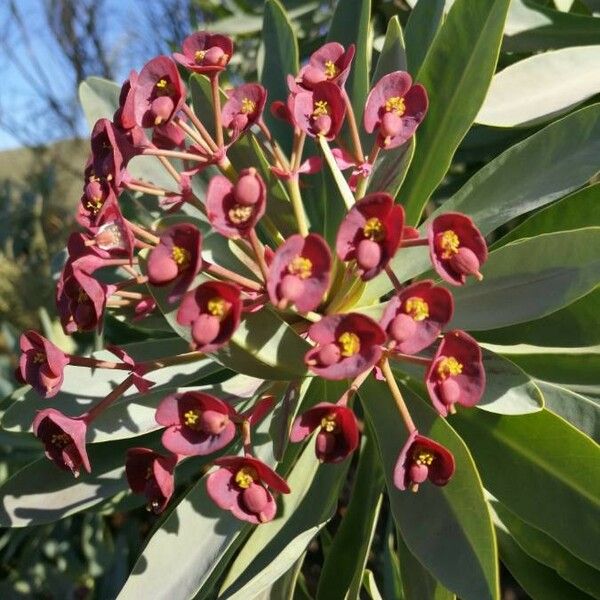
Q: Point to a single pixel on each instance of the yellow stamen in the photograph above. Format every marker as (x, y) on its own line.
(449, 243)
(190, 418)
(245, 477)
(217, 307)
(423, 457)
(321, 108)
(94, 205)
(417, 308)
(162, 84)
(395, 104)
(248, 106)
(60, 440)
(350, 343)
(329, 423)
(239, 214)
(39, 357)
(448, 367)
(301, 267)
(374, 229)
(199, 55)
(330, 69)
(181, 256)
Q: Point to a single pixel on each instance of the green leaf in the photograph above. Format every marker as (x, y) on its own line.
(456, 73)
(370, 585)
(393, 53)
(99, 99)
(580, 411)
(447, 529)
(423, 25)
(529, 279)
(543, 470)
(544, 549)
(342, 570)
(338, 177)
(281, 60)
(541, 87)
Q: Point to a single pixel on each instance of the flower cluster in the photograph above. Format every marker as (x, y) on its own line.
(307, 282)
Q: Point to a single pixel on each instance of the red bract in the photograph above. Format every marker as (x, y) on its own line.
(456, 374)
(168, 136)
(41, 363)
(320, 111)
(371, 233)
(244, 107)
(240, 486)
(338, 431)
(456, 247)
(205, 52)
(331, 63)
(300, 272)
(176, 259)
(414, 317)
(233, 210)
(347, 345)
(159, 93)
(124, 116)
(151, 474)
(420, 459)
(197, 423)
(63, 438)
(97, 196)
(395, 108)
(110, 152)
(213, 312)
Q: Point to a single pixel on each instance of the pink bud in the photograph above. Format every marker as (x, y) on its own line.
(213, 422)
(391, 125)
(213, 56)
(93, 189)
(291, 288)
(161, 269)
(465, 262)
(418, 473)
(402, 327)
(329, 354)
(325, 443)
(368, 254)
(322, 124)
(205, 329)
(449, 391)
(311, 76)
(162, 107)
(247, 190)
(255, 498)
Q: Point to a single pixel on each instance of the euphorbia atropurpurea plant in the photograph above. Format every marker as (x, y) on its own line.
(315, 308)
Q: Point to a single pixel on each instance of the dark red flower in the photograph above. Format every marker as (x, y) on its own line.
(176, 259)
(240, 485)
(213, 312)
(159, 93)
(371, 233)
(97, 196)
(331, 62)
(338, 431)
(41, 363)
(414, 317)
(456, 373)
(395, 108)
(422, 458)
(124, 116)
(347, 345)
(300, 272)
(244, 107)
(110, 152)
(204, 52)
(63, 438)
(233, 210)
(151, 474)
(456, 247)
(197, 423)
(320, 111)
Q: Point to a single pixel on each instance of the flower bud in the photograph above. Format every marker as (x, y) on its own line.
(213, 422)
(255, 498)
(205, 329)
(449, 391)
(391, 125)
(213, 56)
(161, 108)
(418, 473)
(402, 327)
(465, 261)
(368, 254)
(329, 354)
(247, 190)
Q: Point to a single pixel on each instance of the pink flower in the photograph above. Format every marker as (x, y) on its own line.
(300, 272)
(456, 374)
(371, 233)
(241, 485)
(97, 196)
(63, 438)
(422, 458)
(347, 345)
(110, 152)
(244, 108)
(456, 247)
(213, 311)
(233, 210)
(204, 52)
(151, 474)
(414, 317)
(177, 259)
(320, 111)
(41, 364)
(331, 62)
(338, 431)
(159, 93)
(395, 108)
(197, 423)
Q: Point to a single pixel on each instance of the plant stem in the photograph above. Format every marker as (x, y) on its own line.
(200, 127)
(340, 180)
(170, 168)
(106, 402)
(296, 198)
(358, 151)
(417, 360)
(194, 135)
(392, 277)
(216, 98)
(174, 154)
(397, 395)
(259, 253)
(358, 381)
(94, 363)
(143, 232)
(413, 243)
(224, 273)
(167, 361)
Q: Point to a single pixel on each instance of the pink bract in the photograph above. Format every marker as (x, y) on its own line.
(244, 107)
(320, 111)
(205, 52)
(331, 62)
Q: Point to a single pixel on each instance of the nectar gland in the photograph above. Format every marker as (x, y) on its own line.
(449, 367)
(416, 308)
(301, 267)
(374, 229)
(349, 343)
(396, 105)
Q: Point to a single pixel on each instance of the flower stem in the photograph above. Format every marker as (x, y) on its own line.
(174, 154)
(95, 411)
(258, 253)
(194, 135)
(417, 360)
(143, 232)
(274, 146)
(216, 98)
(296, 198)
(358, 151)
(94, 363)
(413, 243)
(167, 361)
(392, 277)
(358, 381)
(170, 168)
(397, 395)
(200, 127)
(224, 273)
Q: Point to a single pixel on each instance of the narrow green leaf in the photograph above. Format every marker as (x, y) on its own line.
(423, 25)
(393, 53)
(342, 570)
(370, 585)
(543, 470)
(456, 73)
(447, 529)
(529, 279)
(541, 87)
(340, 180)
